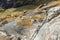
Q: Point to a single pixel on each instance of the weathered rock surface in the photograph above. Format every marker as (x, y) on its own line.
(48, 31)
(51, 29)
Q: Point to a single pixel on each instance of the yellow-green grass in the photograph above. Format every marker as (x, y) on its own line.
(20, 9)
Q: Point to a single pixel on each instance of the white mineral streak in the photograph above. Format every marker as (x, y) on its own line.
(51, 12)
(2, 33)
(51, 29)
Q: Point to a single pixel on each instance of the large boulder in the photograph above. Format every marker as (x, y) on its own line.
(51, 29)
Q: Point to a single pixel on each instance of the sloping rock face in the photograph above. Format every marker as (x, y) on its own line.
(51, 29)
(48, 31)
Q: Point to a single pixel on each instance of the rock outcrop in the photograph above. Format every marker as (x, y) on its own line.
(39, 25)
(51, 29)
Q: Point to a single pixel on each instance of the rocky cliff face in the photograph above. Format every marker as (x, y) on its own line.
(50, 30)
(30, 27)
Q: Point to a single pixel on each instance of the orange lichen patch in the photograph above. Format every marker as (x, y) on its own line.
(35, 17)
(43, 15)
(28, 23)
(39, 17)
(19, 22)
